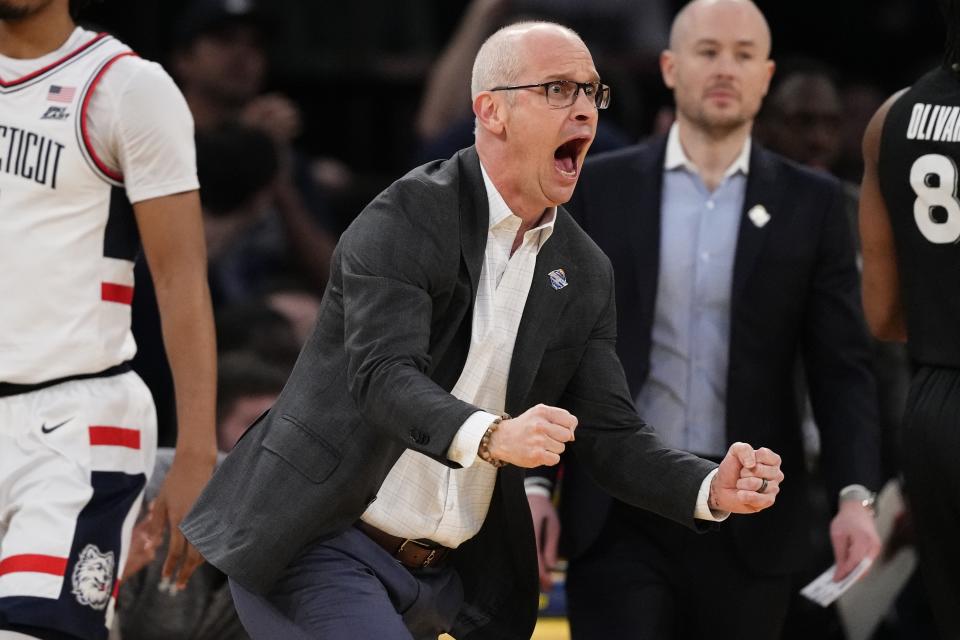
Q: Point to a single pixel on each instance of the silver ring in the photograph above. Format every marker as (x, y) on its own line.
(763, 486)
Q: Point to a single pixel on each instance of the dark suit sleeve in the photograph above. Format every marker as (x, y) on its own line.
(620, 452)
(836, 357)
(392, 259)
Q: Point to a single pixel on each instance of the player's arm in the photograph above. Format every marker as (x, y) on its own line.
(141, 126)
(171, 231)
(881, 280)
(151, 138)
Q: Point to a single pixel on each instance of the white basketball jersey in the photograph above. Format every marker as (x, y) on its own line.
(67, 233)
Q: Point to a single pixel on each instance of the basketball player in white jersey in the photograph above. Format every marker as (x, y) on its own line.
(96, 157)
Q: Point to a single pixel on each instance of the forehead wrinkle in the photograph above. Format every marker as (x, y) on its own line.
(571, 76)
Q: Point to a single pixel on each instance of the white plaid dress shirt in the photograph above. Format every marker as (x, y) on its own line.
(421, 498)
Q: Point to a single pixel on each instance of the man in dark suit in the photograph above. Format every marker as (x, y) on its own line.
(382, 496)
(729, 261)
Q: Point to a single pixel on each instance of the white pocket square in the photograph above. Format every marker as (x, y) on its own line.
(758, 215)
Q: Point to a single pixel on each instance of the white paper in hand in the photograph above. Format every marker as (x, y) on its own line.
(823, 590)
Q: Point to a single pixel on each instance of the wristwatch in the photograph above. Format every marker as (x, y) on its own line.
(860, 494)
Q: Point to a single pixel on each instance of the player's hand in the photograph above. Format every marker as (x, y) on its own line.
(187, 476)
(143, 546)
(546, 528)
(853, 534)
(748, 480)
(536, 437)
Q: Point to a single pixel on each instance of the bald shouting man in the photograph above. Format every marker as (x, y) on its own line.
(729, 262)
(382, 496)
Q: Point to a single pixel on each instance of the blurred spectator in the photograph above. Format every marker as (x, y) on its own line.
(253, 325)
(263, 217)
(860, 101)
(247, 386)
(221, 64)
(801, 118)
(446, 97)
(298, 305)
(237, 166)
(220, 61)
(250, 325)
(444, 122)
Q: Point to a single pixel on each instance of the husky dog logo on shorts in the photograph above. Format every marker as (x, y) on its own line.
(93, 577)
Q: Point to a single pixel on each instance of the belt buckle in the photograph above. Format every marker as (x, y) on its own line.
(430, 556)
(429, 559)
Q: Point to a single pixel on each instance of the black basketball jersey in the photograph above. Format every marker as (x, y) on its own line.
(919, 154)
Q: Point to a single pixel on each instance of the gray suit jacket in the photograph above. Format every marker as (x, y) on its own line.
(374, 379)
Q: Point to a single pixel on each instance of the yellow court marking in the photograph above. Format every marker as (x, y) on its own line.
(547, 629)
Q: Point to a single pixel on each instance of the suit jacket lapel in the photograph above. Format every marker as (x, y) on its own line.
(761, 190)
(452, 344)
(543, 310)
(644, 183)
(474, 216)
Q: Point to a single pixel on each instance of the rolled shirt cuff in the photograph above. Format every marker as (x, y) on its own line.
(463, 449)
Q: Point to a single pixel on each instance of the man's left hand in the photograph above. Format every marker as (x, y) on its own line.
(747, 481)
(186, 478)
(854, 536)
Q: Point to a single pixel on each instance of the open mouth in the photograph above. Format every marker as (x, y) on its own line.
(567, 156)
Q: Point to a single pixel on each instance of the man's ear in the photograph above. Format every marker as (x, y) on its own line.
(490, 112)
(771, 69)
(667, 68)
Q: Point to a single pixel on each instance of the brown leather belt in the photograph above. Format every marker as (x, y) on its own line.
(413, 554)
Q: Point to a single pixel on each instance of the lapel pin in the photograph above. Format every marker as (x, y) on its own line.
(758, 216)
(558, 279)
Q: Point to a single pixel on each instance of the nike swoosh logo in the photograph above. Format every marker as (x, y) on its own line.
(46, 429)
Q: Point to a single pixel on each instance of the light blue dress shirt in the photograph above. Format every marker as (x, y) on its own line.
(684, 397)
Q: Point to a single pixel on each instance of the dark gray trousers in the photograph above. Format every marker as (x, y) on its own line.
(349, 587)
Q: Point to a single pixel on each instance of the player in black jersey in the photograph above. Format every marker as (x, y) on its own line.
(910, 226)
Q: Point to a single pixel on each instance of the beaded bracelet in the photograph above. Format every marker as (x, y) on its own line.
(484, 449)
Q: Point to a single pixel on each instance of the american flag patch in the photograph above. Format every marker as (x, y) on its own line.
(59, 93)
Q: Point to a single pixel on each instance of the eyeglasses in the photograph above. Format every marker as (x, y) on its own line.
(564, 93)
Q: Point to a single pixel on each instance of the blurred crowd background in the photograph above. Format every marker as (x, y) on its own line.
(360, 71)
(305, 110)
